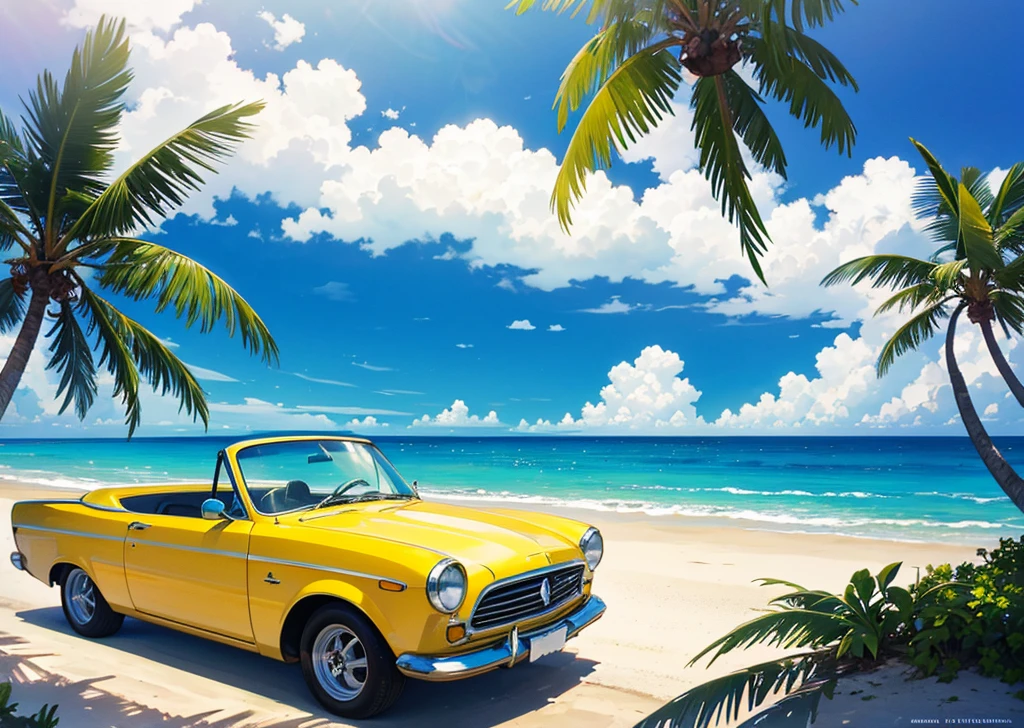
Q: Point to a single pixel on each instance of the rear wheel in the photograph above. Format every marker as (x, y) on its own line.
(348, 666)
(85, 608)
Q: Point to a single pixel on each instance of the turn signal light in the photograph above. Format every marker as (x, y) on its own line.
(456, 632)
(392, 586)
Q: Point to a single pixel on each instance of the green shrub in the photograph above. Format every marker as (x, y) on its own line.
(981, 625)
(45, 718)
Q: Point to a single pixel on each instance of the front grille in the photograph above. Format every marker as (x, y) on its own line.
(522, 599)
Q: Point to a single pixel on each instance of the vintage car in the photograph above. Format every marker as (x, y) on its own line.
(315, 550)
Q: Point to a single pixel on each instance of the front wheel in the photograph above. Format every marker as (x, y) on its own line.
(348, 666)
(85, 608)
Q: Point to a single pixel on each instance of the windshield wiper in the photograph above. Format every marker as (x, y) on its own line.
(363, 498)
(381, 496)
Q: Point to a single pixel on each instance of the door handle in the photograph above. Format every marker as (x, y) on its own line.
(137, 526)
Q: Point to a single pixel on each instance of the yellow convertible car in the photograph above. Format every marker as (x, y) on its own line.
(315, 550)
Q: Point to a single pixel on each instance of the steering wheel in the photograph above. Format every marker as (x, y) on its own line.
(349, 485)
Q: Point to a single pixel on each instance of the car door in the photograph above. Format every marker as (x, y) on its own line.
(191, 571)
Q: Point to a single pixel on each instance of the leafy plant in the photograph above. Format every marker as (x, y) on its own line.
(45, 718)
(870, 621)
(980, 624)
(63, 212)
(633, 67)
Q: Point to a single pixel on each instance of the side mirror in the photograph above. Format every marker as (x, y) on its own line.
(415, 487)
(213, 509)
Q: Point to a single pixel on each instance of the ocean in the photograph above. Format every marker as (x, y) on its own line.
(910, 488)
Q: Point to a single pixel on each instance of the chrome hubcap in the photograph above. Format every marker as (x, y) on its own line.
(339, 661)
(81, 595)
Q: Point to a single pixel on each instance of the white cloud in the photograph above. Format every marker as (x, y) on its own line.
(335, 291)
(208, 375)
(992, 410)
(367, 423)
(556, 327)
(350, 411)
(458, 416)
(392, 114)
(611, 306)
(287, 30)
(464, 346)
(846, 376)
(372, 367)
(647, 395)
(140, 16)
(521, 325)
(317, 380)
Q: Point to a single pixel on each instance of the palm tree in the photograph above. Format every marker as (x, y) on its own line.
(67, 219)
(631, 70)
(985, 235)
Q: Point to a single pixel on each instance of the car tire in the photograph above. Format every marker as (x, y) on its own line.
(85, 608)
(348, 666)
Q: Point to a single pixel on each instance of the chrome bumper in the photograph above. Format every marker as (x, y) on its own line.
(18, 560)
(506, 654)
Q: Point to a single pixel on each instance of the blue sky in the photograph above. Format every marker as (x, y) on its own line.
(389, 222)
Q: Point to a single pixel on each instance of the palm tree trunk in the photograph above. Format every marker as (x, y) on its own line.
(997, 465)
(17, 359)
(1001, 364)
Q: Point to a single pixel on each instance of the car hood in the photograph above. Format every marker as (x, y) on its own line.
(503, 543)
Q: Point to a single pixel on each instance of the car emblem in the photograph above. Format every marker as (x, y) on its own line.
(545, 592)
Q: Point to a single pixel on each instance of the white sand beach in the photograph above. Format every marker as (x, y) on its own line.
(671, 587)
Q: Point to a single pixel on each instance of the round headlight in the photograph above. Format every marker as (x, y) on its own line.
(446, 586)
(592, 546)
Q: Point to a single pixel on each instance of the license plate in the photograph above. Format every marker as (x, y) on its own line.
(549, 643)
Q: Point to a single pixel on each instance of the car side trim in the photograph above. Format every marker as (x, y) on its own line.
(332, 569)
(193, 549)
(67, 532)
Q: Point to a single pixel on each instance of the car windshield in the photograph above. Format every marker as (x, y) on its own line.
(303, 474)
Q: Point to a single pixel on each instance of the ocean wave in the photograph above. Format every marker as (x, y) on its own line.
(963, 496)
(767, 493)
(612, 505)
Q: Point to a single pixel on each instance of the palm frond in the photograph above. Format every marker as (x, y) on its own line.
(12, 306)
(140, 269)
(1010, 197)
(938, 196)
(751, 123)
(977, 184)
(893, 271)
(595, 62)
(722, 164)
(1011, 277)
(72, 358)
(947, 276)
(723, 698)
(633, 99)
(910, 298)
(129, 351)
(809, 97)
(825, 64)
(976, 234)
(72, 128)
(1010, 235)
(22, 180)
(788, 628)
(161, 180)
(911, 335)
(813, 13)
(1009, 309)
(560, 6)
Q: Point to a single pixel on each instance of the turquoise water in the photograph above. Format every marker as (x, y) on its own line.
(931, 489)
